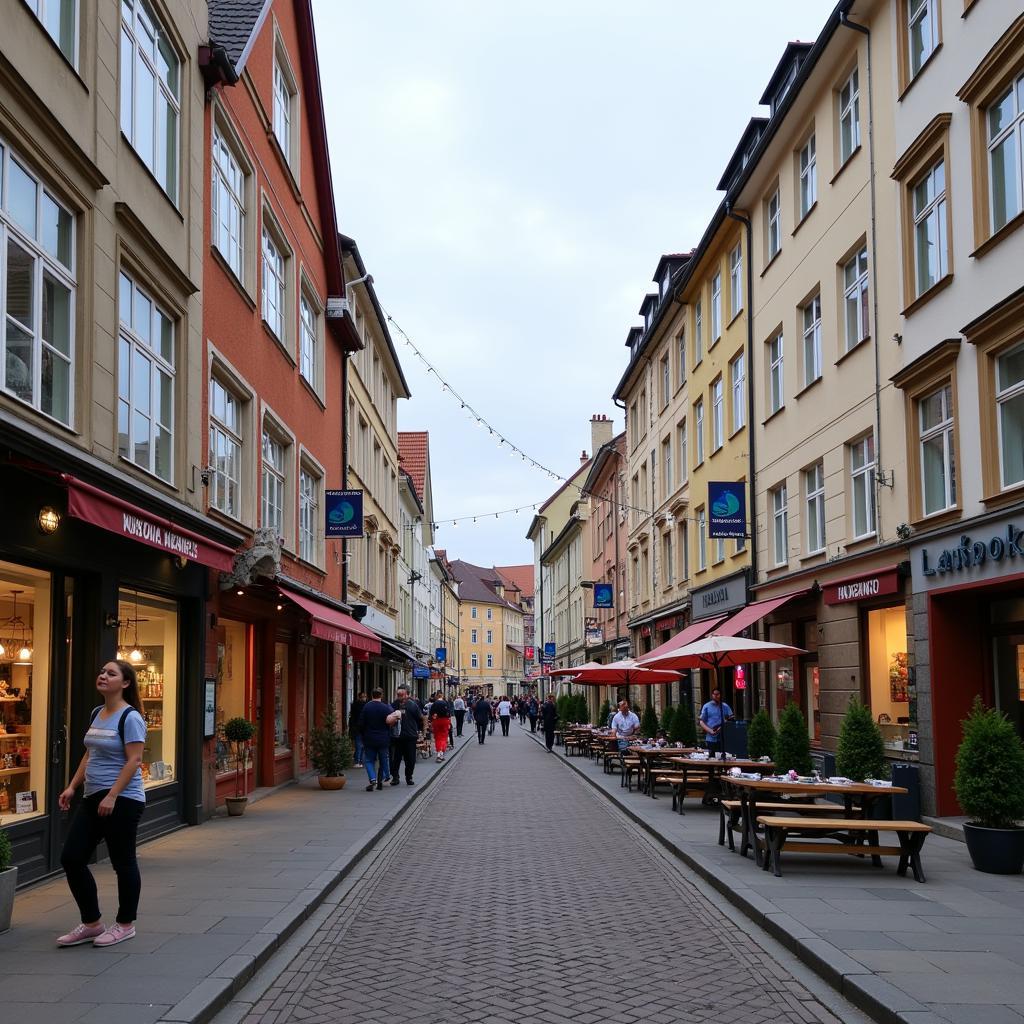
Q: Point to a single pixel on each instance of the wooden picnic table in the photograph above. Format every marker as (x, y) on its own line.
(748, 791)
(649, 758)
(715, 768)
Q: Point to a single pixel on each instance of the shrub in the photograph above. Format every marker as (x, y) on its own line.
(684, 726)
(561, 707)
(582, 708)
(792, 744)
(989, 779)
(329, 750)
(761, 736)
(6, 853)
(860, 754)
(668, 716)
(239, 733)
(604, 714)
(648, 722)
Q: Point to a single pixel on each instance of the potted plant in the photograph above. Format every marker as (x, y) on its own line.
(239, 733)
(604, 715)
(330, 751)
(8, 881)
(989, 784)
(860, 754)
(649, 723)
(792, 744)
(684, 726)
(668, 716)
(761, 736)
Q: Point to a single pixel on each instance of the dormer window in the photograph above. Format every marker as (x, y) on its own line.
(787, 84)
(666, 278)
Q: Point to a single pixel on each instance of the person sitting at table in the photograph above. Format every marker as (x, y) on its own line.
(625, 725)
(713, 717)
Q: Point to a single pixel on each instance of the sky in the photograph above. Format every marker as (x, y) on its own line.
(512, 173)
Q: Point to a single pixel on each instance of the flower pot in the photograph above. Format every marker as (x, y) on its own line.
(331, 781)
(997, 851)
(236, 805)
(8, 882)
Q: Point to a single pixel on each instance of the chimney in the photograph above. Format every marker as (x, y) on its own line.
(600, 431)
(584, 458)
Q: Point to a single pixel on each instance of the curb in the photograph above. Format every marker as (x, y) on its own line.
(213, 993)
(882, 1001)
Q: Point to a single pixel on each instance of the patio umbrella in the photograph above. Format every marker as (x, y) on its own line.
(618, 673)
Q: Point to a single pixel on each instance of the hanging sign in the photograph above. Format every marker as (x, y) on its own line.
(739, 678)
(728, 512)
(604, 595)
(441, 654)
(344, 513)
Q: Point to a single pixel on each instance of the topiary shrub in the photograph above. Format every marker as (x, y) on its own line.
(329, 751)
(761, 736)
(239, 733)
(792, 744)
(582, 707)
(604, 714)
(860, 754)
(684, 726)
(989, 778)
(648, 722)
(561, 708)
(6, 854)
(668, 716)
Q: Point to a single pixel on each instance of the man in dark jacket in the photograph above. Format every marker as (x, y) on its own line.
(482, 717)
(403, 747)
(533, 709)
(549, 716)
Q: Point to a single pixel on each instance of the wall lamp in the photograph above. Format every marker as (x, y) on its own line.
(49, 519)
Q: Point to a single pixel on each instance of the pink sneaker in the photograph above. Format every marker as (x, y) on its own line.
(114, 934)
(80, 935)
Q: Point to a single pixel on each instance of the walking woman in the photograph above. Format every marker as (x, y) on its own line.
(113, 804)
(441, 723)
(353, 727)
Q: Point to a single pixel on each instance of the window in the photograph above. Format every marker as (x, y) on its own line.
(717, 417)
(849, 117)
(716, 307)
(855, 297)
(681, 344)
(814, 491)
(684, 548)
(666, 386)
(309, 515)
(780, 525)
(922, 32)
(702, 540)
(490, 636)
(150, 105)
(698, 429)
(490, 614)
(938, 466)
(862, 477)
(735, 280)
(738, 384)
(1005, 119)
(60, 19)
(741, 545)
(666, 461)
(931, 250)
(719, 550)
(490, 661)
(37, 292)
(472, 636)
(774, 237)
(472, 612)
(634, 423)
(776, 384)
(667, 562)
(284, 103)
(273, 491)
(474, 661)
(683, 464)
(1010, 406)
(227, 199)
(698, 332)
(145, 381)
(273, 285)
(808, 177)
(225, 449)
(309, 342)
(811, 316)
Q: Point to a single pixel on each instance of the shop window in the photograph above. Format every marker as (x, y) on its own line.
(888, 679)
(231, 674)
(281, 738)
(782, 672)
(24, 691)
(148, 641)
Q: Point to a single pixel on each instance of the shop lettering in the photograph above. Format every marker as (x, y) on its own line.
(970, 554)
(143, 529)
(858, 590)
(714, 597)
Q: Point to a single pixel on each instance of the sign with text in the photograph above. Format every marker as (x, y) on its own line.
(594, 636)
(441, 654)
(717, 598)
(727, 505)
(604, 595)
(862, 588)
(343, 511)
(528, 652)
(549, 650)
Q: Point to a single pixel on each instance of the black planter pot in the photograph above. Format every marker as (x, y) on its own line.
(997, 851)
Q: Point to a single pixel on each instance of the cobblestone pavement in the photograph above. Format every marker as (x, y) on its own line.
(515, 894)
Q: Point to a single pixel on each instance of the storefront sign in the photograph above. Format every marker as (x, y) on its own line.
(862, 588)
(995, 551)
(420, 672)
(970, 554)
(343, 511)
(604, 595)
(595, 636)
(209, 708)
(529, 652)
(671, 622)
(441, 654)
(727, 503)
(549, 650)
(719, 597)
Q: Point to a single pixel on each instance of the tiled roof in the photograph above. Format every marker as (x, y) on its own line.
(232, 23)
(477, 583)
(414, 453)
(520, 576)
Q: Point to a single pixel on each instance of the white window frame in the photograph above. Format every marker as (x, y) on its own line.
(490, 636)
(776, 372)
(311, 485)
(667, 559)
(698, 430)
(814, 503)
(682, 440)
(274, 282)
(310, 346)
(490, 661)
(929, 211)
(490, 614)
(698, 332)
(856, 299)
(849, 115)
(473, 636)
(736, 280)
(717, 414)
(51, 22)
(681, 355)
(774, 215)
(922, 19)
(285, 106)
(810, 316)
(716, 307)
(780, 525)
(472, 611)
(273, 481)
(862, 486)
(474, 660)
(227, 202)
(808, 176)
(666, 460)
(941, 432)
(1010, 136)
(226, 425)
(702, 539)
(666, 380)
(1004, 396)
(738, 386)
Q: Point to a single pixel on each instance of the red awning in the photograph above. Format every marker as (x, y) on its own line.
(753, 612)
(97, 507)
(331, 624)
(694, 631)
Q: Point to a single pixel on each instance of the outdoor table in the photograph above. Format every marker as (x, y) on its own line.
(716, 769)
(749, 790)
(649, 757)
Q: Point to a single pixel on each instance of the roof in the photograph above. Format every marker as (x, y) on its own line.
(233, 24)
(566, 484)
(520, 576)
(743, 151)
(616, 446)
(414, 453)
(477, 583)
(794, 50)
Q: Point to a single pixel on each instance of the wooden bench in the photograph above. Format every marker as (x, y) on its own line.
(630, 766)
(731, 811)
(685, 784)
(842, 835)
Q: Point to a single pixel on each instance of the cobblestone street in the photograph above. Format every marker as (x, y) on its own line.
(513, 893)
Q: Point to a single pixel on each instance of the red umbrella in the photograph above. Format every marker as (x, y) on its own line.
(719, 652)
(618, 673)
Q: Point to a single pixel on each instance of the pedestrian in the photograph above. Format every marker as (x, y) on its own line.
(460, 714)
(493, 705)
(532, 710)
(441, 723)
(549, 715)
(353, 727)
(375, 723)
(504, 714)
(625, 725)
(403, 746)
(111, 809)
(522, 710)
(482, 717)
(713, 717)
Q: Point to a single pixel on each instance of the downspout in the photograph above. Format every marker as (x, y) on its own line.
(844, 19)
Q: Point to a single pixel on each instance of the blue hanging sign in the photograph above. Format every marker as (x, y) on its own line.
(343, 511)
(420, 672)
(549, 650)
(441, 654)
(604, 595)
(727, 503)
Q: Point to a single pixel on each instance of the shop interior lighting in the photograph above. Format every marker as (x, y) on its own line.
(17, 646)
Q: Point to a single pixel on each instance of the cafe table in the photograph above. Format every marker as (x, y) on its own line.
(715, 768)
(650, 759)
(749, 791)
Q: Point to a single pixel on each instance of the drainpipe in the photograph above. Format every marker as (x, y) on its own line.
(844, 19)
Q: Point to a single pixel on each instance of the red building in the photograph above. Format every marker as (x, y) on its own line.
(273, 374)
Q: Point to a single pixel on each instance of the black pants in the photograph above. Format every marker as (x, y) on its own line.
(522, 718)
(481, 731)
(533, 723)
(549, 736)
(459, 717)
(403, 749)
(87, 830)
(490, 728)
(505, 722)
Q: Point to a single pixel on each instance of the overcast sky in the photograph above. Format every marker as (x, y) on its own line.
(512, 174)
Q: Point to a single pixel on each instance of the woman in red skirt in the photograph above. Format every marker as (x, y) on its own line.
(441, 723)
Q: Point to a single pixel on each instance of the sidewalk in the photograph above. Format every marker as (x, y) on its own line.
(217, 901)
(948, 950)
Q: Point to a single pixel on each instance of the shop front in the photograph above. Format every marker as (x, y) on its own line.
(968, 604)
(717, 600)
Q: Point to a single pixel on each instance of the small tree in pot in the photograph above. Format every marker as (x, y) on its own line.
(239, 733)
(761, 736)
(684, 726)
(8, 881)
(330, 751)
(604, 714)
(860, 754)
(649, 723)
(989, 784)
(792, 744)
(668, 717)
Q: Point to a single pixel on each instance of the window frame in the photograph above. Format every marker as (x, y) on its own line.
(776, 372)
(779, 499)
(814, 502)
(946, 431)
(716, 308)
(40, 15)
(309, 298)
(905, 19)
(234, 436)
(681, 356)
(858, 292)
(698, 430)
(668, 481)
(271, 230)
(666, 380)
(738, 401)
(773, 225)
(702, 539)
(867, 470)
(717, 396)
(283, 70)
(807, 176)
(309, 467)
(682, 441)
(811, 336)
(698, 332)
(223, 129)
(736, 281)
(850, 107)
(269, 431)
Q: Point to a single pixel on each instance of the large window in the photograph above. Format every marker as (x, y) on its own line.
(702, 540)
(272, 506)
(808, 177)
(922, 32)
(811, 317)
(717, 415)
(931, 245)
(150, 102)
(683, 464)
(681, 346)
(698, 332)
(776, 378)
(666, 385)
(780, 524)
(228, 204)
(1010, 404)
(738, 386)
(309, 343)
(814, 492)
(666, 462)
(736, 280)
(309, 515)
(282, 739)
(274, 290)
(1005, 120)
(862, 480)
(849, 117)
(37, 292)
(145, 381)
(885, 633)
(774, 218)
(284, 103)
(938, 465)
(698, 430)
(716, 307)
(855, 298)
(667, 561)
(225, 449)
(60, 19)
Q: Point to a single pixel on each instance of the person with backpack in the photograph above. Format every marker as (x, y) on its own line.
(533, 710)
(111, 809)
(441, 723)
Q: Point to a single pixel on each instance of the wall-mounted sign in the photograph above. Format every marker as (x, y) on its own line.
(863, 587)
(594, 636)
(529, 652)
(337, 307)
(727, 509)
(209, 708)
(343, 511)
(420, 672)
(441, 654)
(671, 622)
(549, 650)
(719, 597)
(604, 595)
